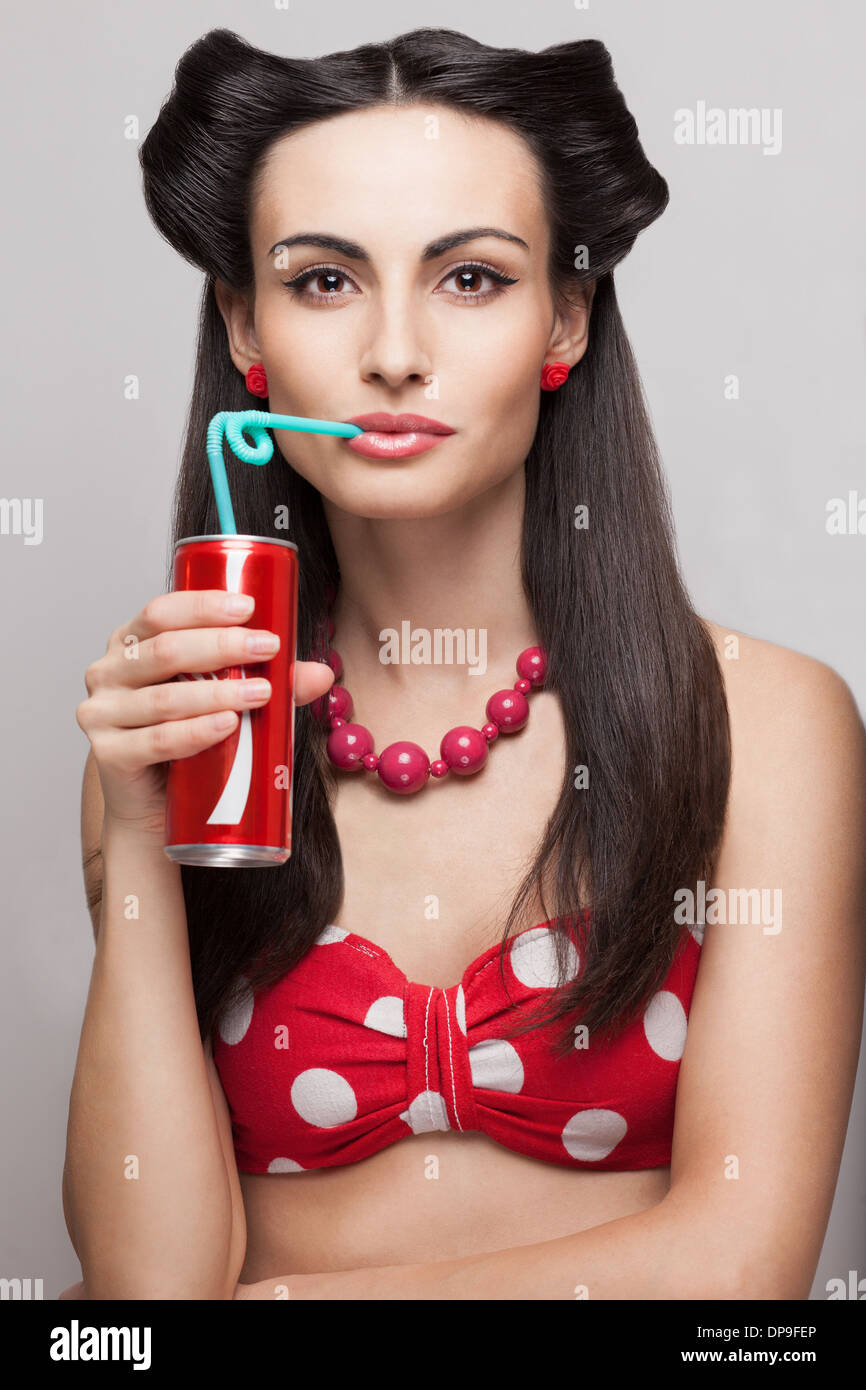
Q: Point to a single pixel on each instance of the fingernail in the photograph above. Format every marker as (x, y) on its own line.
(255, 690)
(236, 604)
(264, 642)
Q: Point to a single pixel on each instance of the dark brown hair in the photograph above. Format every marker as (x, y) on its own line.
(633, 666)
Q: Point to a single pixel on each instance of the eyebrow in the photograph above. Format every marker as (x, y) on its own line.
(352, 251)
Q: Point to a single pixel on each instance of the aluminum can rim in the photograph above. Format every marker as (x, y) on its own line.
(222, 536)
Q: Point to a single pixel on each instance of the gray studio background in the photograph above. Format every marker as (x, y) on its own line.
(756, 269)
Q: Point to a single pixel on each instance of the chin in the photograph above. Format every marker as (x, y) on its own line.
(421, 505)
(402, 495)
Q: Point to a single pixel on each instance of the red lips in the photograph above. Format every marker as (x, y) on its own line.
(381, 422)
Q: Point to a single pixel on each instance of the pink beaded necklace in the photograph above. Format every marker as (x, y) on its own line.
(404, 767)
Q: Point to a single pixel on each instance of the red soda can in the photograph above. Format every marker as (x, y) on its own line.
(231, 804)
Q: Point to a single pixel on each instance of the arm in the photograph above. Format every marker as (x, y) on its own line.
(145, 1092)
(768, 1070)
(652, 1254)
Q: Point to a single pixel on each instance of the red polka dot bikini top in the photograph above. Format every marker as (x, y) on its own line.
(345, 1055)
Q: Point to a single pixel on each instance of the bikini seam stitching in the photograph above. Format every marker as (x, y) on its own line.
(451, 1062)
(427, 1061)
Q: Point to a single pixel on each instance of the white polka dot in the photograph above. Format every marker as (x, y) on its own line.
(533, 959)
(330, 935)
(237, 1016)
(591, 1134)
(460, 1009)
(426, 1113)
(386, 1016)
(697, 931)
(323, 1098)
(284, 1165)
(496, 1066)
(665, 1025)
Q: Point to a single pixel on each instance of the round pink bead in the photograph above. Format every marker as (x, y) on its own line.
(532, 665)
(438, 768)
(347, 745)
(523, 686)
(464, 749)
(335, 662)
(370, 761)
(509, 710)
(340, 703)
(490, 732)
(403, 767)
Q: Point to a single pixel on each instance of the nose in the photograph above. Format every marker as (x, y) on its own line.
(395, 351)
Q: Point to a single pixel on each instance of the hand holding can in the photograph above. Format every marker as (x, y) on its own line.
(231, 804)
(138, 718)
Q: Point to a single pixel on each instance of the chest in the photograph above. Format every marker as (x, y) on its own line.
(430, 877)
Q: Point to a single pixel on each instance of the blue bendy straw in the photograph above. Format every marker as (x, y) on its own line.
(256, 423)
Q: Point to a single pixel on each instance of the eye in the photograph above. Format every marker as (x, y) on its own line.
(328, 279)
(329, 275)
(472, 271)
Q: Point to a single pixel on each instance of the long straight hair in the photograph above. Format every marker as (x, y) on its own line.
(632, 664)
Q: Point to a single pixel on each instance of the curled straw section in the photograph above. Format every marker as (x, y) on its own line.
(234, 423)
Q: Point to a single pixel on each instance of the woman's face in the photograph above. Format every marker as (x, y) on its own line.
(392, 322)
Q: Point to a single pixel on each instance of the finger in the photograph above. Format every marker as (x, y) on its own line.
(187, 699)
(129, 750)
(312, 679)
(182, 608)
(180, 699)
(171, 653)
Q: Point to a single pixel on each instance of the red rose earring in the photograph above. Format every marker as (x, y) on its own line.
(553, 374)
(257, 380)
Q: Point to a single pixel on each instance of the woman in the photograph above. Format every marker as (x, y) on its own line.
(313, 1094)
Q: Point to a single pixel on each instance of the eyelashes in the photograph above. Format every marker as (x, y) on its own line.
(298, 283)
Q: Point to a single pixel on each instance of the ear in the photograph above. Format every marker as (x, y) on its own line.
(570, 334)
(236, 307)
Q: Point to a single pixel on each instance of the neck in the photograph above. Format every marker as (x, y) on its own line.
(457, 571)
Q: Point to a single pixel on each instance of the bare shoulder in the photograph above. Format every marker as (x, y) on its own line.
(755, 668)
(786, 705)
(796, 808)
(797, 795)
